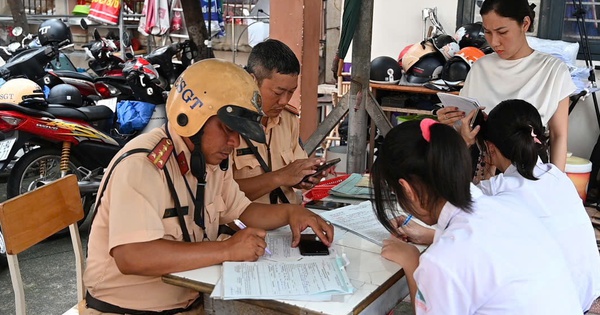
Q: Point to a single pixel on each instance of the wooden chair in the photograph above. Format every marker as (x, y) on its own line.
(32, 217)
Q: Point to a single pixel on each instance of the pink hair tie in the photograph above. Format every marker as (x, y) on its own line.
(534, 136)
(425, 128)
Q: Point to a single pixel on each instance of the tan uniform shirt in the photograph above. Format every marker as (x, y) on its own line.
(283, 134)
(133, 210)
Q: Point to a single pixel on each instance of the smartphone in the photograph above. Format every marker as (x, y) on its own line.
(478, 119)
(311, 246)
(323, 167)
(325, 205)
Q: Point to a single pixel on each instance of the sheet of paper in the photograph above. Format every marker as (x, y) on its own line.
(463, 103)
(359, 219)
(285, 280)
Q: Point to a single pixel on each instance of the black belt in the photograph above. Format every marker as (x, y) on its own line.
(104, 307)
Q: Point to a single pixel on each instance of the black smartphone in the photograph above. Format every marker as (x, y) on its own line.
(322, 167)
(325, 205)
(478, 120)
(311, 246)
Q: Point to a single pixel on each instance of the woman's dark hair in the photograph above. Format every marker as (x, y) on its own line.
(438, 170)
(509, 127)
(513, 9)
(272, 56)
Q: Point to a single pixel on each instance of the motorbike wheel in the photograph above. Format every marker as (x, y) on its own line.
(38, 166)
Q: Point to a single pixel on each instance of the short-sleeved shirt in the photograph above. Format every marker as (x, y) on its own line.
(283, 144)
(137, 207)
(540, 79)
(554, 200)
(499, 259)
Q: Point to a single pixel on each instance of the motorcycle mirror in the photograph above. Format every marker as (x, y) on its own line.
(126, 39)
(97, 36)
(17, 31)
(83, 24)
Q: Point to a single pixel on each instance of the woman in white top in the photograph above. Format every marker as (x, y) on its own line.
(514, 136)
(489, 255)
(516, 71)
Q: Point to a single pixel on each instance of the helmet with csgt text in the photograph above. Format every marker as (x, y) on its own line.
(215, 87)
(21, 91)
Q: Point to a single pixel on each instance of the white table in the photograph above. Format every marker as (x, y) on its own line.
(379, 284)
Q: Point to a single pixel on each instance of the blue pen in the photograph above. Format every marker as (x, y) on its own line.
(407, 220)
(242, 226)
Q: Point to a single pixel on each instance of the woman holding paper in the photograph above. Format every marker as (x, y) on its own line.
(488, 256)
(516, 71)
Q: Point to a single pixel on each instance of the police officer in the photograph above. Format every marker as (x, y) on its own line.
(167, 191)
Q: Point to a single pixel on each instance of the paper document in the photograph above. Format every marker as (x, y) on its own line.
(322, 278)
(352, 187)
(463, 103)
(359, 219)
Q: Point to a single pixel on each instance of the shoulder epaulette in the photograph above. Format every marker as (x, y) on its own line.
(292, 109)
(161, 152)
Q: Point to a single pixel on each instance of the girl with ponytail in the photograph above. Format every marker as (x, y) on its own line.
(488, 254)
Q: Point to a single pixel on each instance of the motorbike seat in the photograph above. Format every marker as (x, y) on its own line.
(74, 74)
(88, 113)
(26, 110)
(98, 112)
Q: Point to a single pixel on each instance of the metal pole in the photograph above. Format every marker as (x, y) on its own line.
(361, 63)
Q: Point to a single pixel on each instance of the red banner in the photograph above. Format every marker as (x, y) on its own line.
(105, 11)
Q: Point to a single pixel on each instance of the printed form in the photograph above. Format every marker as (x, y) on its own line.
(285, 280)
(359, 219)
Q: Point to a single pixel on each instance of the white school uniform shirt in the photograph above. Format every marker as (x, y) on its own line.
(540, 79)
(554, 200)
(496, 260)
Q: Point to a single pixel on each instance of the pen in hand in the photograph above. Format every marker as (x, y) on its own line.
(242, 226)
(407, 220)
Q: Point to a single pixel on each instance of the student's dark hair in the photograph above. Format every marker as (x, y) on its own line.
(438, 170)
(513, 9)
(272, 56)
(509, 127)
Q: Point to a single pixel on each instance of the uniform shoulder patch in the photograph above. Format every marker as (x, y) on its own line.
(161, 152)
(292, 109)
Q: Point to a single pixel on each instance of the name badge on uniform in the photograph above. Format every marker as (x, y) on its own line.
(246, 151)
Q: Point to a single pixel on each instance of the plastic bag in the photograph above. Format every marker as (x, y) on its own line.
(133, 115)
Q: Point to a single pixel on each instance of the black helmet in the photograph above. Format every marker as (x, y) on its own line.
(385, 70)
(427, 68)
(455, 70)
(65, 94)
(471, 35)
(54, 31)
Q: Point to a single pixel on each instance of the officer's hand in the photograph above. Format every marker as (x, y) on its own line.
(301, 218)
(292, 174)
(246, 245)
(449, 115)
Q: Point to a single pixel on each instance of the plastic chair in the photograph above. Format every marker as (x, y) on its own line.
(56, 206)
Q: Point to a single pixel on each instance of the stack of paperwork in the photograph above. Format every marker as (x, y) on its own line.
(305, 280)
(284, 275)
(355, 186)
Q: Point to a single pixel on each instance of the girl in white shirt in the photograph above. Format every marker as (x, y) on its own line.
(488, 256)
(514, 136)
(516, 71)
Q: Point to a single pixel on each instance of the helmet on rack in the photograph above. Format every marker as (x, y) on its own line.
(385, 70)
(54, 31)
(65, 94)
(457, 68)
(471, 35)
(446, 45)
(426, 69)
(23, 92)
(415, 53)
(402, 53)
(200, 92)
